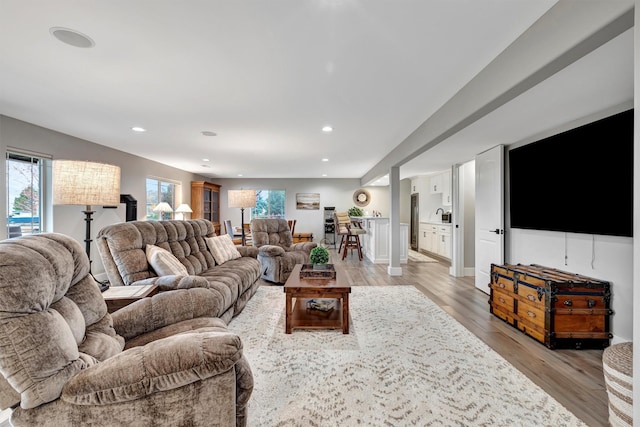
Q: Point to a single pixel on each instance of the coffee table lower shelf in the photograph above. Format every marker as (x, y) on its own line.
(301, 317)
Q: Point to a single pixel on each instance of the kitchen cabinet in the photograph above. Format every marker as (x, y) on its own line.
(428, 239)
(424, 231)
(441, 184)
(435, 238)
(443, 237)
(446, 188)
(435, 184)
(432, 239)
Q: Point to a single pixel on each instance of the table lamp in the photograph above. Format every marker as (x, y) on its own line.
(184, 209)
(162, 207)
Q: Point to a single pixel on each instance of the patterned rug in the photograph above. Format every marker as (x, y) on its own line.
(405, 363)
(415, 256)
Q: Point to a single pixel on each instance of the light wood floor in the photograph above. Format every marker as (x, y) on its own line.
(573, 377)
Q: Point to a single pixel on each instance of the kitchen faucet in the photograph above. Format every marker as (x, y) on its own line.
(439, 209)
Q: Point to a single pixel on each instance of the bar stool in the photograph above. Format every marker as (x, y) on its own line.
(350, 232)
(342, 227)
(353, 242)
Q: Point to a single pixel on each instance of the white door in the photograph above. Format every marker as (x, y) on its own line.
(489, 214)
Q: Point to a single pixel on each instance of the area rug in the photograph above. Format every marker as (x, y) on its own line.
(405, 363)
(415, 256)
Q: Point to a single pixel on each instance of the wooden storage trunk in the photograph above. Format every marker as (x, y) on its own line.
(559, 309)
(302, 237)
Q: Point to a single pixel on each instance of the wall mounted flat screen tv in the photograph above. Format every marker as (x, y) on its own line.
(578, 181)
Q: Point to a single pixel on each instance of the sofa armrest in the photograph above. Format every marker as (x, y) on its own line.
(164, 309)
(159, 366)
(271, 250)
(169, 283)
(250, 251)
(303, 246)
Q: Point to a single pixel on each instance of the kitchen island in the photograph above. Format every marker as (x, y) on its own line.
(376, 242)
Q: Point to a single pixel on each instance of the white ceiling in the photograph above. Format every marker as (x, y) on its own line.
(266, 76)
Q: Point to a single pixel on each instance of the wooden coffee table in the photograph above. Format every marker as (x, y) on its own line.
(304, 289)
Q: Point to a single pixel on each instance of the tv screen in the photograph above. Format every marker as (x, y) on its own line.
(578, 181)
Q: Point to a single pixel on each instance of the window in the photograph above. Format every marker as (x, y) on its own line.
(161, 191)
(269, 204)
(25, 185)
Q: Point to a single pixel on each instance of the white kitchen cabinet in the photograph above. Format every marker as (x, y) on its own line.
(428, 240)
(435, 184)
(446, 188)
(441, 184)
(443, 237)
(432, 239)
(435, 238)
(416, 185)
(424, 231)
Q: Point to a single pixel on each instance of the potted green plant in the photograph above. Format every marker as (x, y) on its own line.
(355, 211)
(319, 257)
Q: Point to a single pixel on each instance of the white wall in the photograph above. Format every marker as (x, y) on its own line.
(612, 261)
(70, 219)
(333, 192)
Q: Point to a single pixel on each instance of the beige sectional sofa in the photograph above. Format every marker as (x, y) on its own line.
(122, 249)
(161, 361)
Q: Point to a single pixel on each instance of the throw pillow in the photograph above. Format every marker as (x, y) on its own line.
(222, 248)
(164, 263)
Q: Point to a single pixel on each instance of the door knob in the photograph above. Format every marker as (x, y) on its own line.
(497, 231)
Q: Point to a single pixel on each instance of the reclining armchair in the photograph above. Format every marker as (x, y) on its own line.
(66, 361)
(277, 252)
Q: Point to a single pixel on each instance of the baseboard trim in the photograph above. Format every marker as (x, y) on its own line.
(394, 271)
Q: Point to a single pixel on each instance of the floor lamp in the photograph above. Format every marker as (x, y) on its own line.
(85, 183)
(242, 199)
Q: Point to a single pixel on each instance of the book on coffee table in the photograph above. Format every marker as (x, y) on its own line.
(321, 304)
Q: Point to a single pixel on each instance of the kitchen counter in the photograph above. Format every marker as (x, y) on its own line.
(376, 242)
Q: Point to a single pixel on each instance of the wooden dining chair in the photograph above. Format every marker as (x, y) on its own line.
(228, 228)
(248, 239)
(292, 225)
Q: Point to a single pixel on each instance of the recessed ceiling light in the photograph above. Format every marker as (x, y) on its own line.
(325, 160)
(239, 174)
(327, 129)
(324, 174)
(208, 133)
(206, 160)
(206, 166)
(138, 129)
(71, 37)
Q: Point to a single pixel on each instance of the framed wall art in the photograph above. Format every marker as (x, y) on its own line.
(308, 201)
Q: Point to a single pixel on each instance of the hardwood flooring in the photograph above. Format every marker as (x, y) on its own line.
(573, 377)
